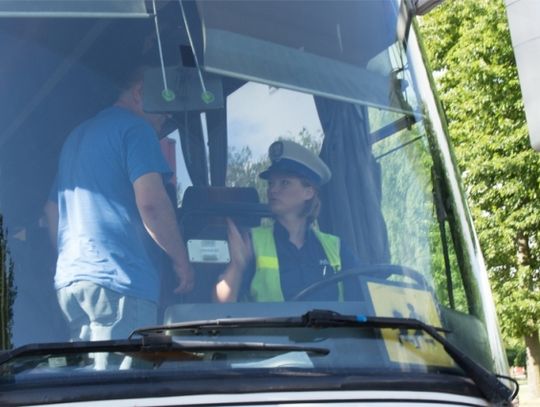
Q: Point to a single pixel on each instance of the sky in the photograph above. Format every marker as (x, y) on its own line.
(259, 114)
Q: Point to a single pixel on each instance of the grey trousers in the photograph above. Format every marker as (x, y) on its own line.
(95, 313)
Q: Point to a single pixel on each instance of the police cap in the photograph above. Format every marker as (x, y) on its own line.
(292, 158)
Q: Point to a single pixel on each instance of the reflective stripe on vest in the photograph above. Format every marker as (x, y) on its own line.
(266, 283)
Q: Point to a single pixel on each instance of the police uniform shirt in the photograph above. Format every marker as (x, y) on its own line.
(301, 267)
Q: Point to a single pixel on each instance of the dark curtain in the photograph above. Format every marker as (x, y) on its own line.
(352, 199)
(216, 121)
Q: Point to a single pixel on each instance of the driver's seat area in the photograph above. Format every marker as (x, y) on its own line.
(203, 223)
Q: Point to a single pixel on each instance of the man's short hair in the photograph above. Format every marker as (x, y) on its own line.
(130, 78)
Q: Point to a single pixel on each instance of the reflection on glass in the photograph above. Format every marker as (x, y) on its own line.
(7, 290)
(324, 76)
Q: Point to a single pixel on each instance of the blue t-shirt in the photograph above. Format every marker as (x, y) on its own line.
(100, 232)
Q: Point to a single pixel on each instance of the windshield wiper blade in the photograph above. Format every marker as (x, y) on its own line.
(150, 343)
(488, 383)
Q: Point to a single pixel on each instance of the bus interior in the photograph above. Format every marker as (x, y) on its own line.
(346, 79)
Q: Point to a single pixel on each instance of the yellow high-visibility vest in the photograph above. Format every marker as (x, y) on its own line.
(266, 283)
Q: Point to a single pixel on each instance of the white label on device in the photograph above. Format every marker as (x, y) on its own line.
(208, 251)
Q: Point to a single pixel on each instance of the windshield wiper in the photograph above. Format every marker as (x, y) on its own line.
(151, 343)
(488, 383)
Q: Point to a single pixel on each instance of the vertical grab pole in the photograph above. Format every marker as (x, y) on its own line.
(207, 96)
(167, 94)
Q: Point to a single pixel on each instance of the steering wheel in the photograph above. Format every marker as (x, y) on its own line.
(379, 271)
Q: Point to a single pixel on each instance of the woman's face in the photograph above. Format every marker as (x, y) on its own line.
(287, 194)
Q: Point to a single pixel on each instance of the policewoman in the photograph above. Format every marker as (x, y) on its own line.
(274, 263)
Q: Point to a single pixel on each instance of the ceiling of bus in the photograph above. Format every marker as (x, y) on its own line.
(318, 27)
(35, 48)
(55, 73)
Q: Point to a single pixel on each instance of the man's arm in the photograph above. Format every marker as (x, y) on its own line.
(159, 220)
(51, 213)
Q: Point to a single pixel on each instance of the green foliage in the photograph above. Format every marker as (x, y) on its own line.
(406, 173)
(516, 355)
(469, 48)
(410, 214)
(243, 169)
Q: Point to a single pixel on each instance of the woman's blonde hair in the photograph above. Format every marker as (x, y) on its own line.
(312, 207)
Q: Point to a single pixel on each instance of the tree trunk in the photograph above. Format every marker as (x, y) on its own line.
(532, 341)
(533, 363)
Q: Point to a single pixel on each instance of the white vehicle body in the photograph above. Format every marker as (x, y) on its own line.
(330, 399)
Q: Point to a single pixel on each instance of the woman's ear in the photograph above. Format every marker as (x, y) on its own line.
(309, 192)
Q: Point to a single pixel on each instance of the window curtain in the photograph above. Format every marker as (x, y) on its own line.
(352, 198)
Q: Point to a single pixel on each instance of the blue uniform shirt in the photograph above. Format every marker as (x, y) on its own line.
(299, 268)
(100, 232)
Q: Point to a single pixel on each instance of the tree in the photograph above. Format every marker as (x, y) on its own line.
(468, 45)
(243, 169)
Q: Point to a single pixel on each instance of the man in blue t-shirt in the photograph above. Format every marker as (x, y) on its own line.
(109, 193)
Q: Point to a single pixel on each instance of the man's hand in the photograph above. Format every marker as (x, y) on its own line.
(186, 277)
(51, 214)
(159, 219)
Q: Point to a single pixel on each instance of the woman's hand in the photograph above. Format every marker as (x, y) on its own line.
(240, 248)
(241, 253)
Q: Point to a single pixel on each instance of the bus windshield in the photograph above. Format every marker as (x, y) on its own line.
(176, 161)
